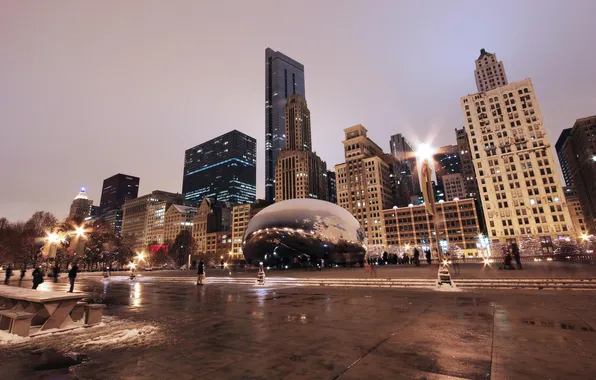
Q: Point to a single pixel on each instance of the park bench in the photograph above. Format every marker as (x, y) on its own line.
(51, 310)
(16, 322)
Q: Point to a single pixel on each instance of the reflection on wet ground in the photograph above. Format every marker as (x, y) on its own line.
(239, 332)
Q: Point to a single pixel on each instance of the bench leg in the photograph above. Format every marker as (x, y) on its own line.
(93, 316)
(4, 323)
(77, 313)
(20, 327)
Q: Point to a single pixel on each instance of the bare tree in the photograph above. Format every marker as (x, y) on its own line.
(182, 248)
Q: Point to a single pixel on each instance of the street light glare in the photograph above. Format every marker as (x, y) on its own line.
(425, 151)
(53, 238)
(80, 231)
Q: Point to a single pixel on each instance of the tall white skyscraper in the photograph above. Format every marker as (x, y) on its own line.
(489, 72)
(520, 189)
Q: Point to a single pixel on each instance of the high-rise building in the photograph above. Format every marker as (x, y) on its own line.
(446, 161)
(283, 77)
(212, 216)
(489, 72)
(116, 190)
(407, 182)
(363, 183)
(80, 208)
(241, 215)
(178, 218)
(299, 172)
(331, 187)
(577, 214)
(223, 168)
(143, 218)
(520, 190)
(413, 226)
(565, 134)
(467, 166)
(454, 187)
(579, 151)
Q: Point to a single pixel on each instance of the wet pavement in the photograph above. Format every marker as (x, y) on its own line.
(175, 330)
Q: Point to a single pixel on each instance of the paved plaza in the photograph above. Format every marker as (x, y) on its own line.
(176, 330)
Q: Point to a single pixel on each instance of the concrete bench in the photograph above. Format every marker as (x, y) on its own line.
(78, 312)
(93, 313)
(16, 322)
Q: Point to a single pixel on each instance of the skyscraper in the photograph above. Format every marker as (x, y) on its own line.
(565, 134)
(579, 152)
(364, 184)
(283, 77)
(467, 165)
(521, 193)
(331, 187)
(447, 161)
(489, 72)
(116, 190)
(407, 181)
(299, 172)
(223, 168)
(81, 206)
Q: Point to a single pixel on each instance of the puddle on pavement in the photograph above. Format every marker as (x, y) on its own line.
(51, 360)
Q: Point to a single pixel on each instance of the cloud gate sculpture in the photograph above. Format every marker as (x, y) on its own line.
(302, 231)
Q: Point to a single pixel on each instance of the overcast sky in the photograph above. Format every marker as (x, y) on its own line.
(89, 89)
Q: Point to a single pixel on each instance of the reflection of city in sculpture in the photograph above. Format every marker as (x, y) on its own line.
(303, 230)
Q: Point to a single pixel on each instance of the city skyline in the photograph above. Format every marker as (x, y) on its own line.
(102, 91)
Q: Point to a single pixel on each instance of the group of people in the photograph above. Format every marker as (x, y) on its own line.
(510, 254)
(38, 276)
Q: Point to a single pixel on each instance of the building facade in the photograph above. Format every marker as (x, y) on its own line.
(454, 187)
(413, 226)
(363, 183)
(565, 134)
(212, 216)
(283, 77)
(520, 190)
(241, 215)
(579, 152)
(467, 166)
(407, 182)
(178, 218)
(143, 218)
(116, 190)
(220, 244)
(489, 72)
(80, 208)
(577, 214)
(222, 168)
(299, 172)
(331, 187)
(446, 161)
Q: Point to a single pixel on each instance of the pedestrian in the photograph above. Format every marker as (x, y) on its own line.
(23, 271)
(406, 259)
(222, 264)
(55, 272)
(416, 257)
(516, 256)
(428, 259)
(200, 272)
(506, 258)
(37, 278)
(72, 275)
(7, 274)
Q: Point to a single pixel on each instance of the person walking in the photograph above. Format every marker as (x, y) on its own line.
(201, 272)
(416, 257)
(428, 258)
(23, 271)
(516, 255)
(55, 272)
(72, 276)
(37, 278)
(8, 274)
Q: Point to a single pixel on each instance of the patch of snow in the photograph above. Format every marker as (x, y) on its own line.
(8, 338)
(122, 336)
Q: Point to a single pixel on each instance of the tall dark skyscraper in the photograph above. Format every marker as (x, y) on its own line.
(116, 190)
(447, 161)
(283, 77)
(223, 168)
(407, 183)
(331, 186)
(565, 134)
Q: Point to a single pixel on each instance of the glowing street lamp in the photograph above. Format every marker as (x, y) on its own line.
(80, 231)
(585, 237)
(594, 158)
(140, 256)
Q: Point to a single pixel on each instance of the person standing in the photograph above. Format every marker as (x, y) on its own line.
(516, 255)
(72, 275)
(37, 278)
(416, 257)
(55, 272)
(8, 274)
(428, 259)
(201, 272)
(23, 271)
